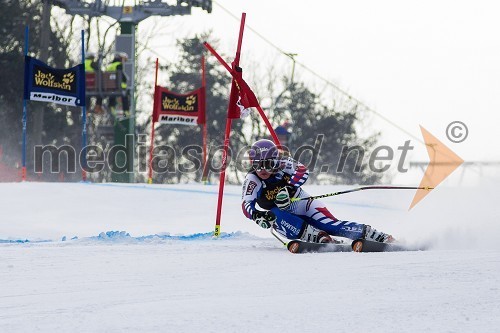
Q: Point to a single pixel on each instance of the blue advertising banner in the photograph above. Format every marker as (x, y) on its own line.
(46, 84)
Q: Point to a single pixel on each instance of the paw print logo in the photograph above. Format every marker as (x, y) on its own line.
(190, 100)
(68, 78)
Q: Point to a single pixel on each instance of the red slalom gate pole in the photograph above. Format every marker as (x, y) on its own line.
(151, 146)
(232, 103)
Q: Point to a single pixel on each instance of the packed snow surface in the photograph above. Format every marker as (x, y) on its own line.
(141, 258)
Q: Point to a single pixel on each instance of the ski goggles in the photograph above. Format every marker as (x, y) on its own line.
(268, 165)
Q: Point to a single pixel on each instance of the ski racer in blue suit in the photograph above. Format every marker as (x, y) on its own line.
(268, 188)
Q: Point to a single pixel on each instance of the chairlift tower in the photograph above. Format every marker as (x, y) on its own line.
(129, 17)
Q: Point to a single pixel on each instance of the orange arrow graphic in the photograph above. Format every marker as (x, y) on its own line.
(442, 163)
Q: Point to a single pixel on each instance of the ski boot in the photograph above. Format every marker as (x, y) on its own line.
(372, 234)
(314, 235)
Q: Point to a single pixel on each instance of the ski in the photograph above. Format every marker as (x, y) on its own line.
(298, 246)
(359, 245)
(364, 245)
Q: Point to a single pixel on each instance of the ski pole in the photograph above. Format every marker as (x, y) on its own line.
(364, 188)
(281, 241)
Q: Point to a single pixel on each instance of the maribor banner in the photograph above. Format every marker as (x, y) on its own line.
(46, 84)
(51, 85)
(184, 109)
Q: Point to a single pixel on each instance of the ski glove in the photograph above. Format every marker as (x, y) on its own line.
(264, 219)
(282, 200)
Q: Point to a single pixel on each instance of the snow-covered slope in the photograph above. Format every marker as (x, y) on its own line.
(165, 273)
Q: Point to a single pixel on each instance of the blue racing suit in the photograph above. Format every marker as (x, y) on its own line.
(259, 194)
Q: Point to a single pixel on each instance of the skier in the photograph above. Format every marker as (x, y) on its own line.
(268, 188)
